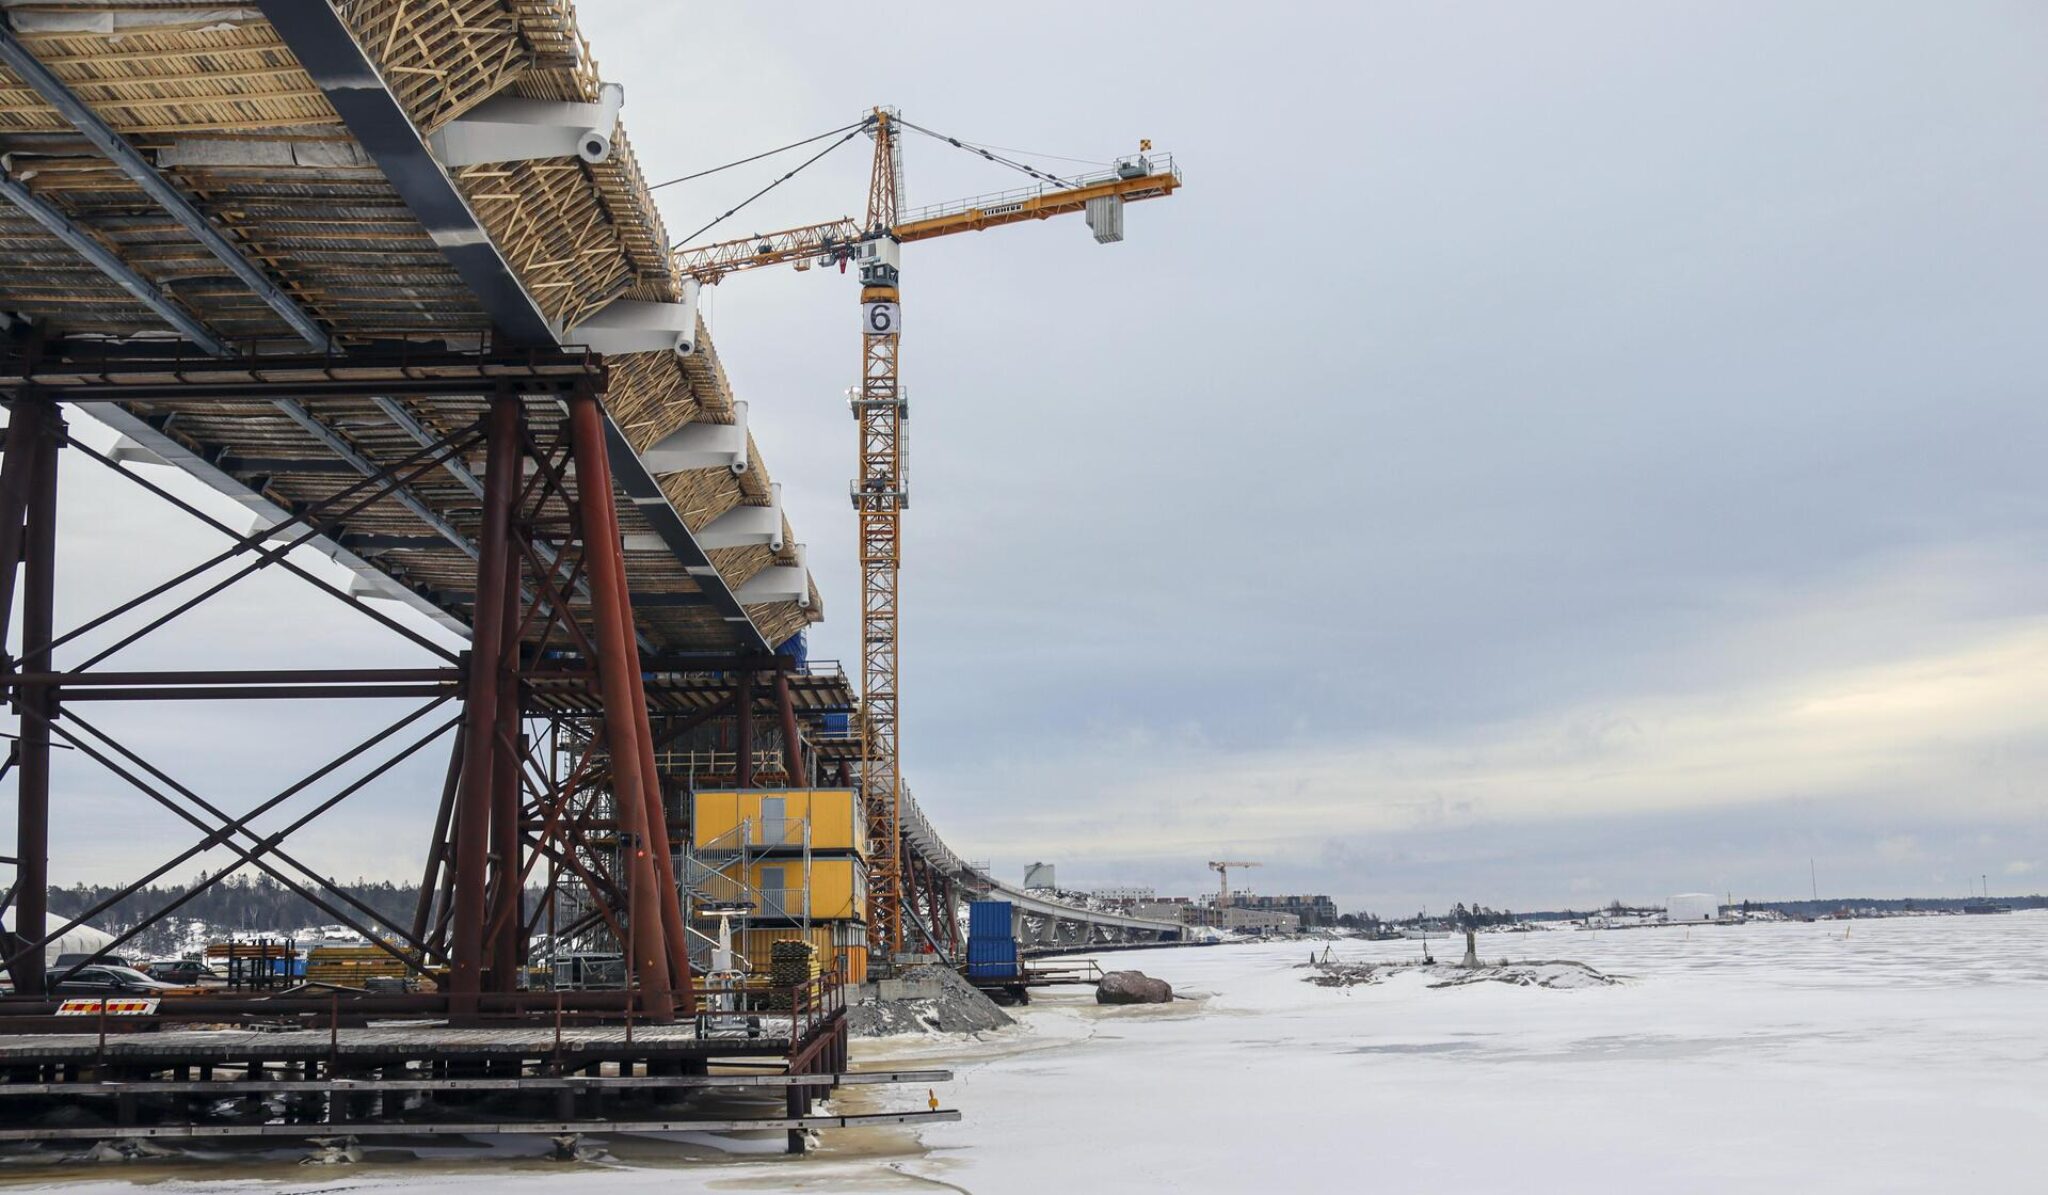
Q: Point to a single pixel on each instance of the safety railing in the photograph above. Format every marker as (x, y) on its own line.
(1148, 165)
(812, 1005)
(718, 763)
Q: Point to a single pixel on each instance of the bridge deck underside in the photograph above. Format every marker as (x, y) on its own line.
(224, 112)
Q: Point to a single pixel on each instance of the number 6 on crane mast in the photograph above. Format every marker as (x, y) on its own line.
(880, 319)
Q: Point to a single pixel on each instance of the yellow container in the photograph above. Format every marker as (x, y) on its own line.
(777, 817)
(838, 889)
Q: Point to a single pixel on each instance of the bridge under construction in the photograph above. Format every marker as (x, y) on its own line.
(387, 278)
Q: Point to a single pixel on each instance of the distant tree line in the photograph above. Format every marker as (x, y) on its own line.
(239, 903)
(1478, 916)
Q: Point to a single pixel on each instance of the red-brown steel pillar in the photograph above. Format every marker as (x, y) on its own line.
(467, 951)
(506, 950)
(611, 609)
(743, 728)
(17, 471)
(792, 740)
(660, 845)
(38, 605)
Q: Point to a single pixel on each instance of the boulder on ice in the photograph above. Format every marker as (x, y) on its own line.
(1132, 987)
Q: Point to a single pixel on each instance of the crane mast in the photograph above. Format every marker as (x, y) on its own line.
(879, 498)
(1222, 870)
(879, 490)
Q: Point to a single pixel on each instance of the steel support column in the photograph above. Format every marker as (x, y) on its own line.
(792, 738)
(743, 729)
(647, 950)
(506, 949)
(468, 951)
(37, 705)
(659, 845)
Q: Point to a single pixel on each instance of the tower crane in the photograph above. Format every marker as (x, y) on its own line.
(1222, 871)
(878, 491)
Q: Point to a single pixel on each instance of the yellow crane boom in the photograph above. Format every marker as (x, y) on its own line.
(837, 241)
(878, 492)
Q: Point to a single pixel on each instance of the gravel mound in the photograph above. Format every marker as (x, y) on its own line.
(927, 1000)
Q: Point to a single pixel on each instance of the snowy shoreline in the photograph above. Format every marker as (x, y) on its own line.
(1801, 1055)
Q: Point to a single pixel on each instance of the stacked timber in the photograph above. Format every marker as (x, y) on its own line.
(792, 962)
(352, 966)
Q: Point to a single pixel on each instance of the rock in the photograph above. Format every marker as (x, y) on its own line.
(1132, 987)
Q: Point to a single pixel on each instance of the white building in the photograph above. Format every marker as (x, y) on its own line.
(1692, 906)
(1125, 895)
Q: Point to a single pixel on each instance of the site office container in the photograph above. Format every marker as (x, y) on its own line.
(776, 817)
(991, 919)
(842, 946)
(992, 950)
(838, 889)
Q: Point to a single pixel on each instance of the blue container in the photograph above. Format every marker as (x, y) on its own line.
(838, 725)
(988, 919)
(991, 970)
(991, 950)
(796, 648)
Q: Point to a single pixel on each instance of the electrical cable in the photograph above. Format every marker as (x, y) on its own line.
(1011, 149)
(757, 157)
(856, 131)
(985, 152)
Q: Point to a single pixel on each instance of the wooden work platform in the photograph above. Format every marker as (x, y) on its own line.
(201, 1047)
(430, 1078)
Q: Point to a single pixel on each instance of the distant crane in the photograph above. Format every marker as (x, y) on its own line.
(880, 494)
(1222, 871)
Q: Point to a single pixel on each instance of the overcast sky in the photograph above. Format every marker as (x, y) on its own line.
(1544, 454)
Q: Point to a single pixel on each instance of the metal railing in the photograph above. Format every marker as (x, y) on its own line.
(996, 201)
(718, 763)
(812, 1006)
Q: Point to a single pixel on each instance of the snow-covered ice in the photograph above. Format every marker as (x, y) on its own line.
(1868, 1056)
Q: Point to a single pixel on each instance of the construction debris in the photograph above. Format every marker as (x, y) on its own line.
(1538, 973)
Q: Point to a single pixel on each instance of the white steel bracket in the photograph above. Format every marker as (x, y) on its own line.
(639, 326)
(702, 446)
(506, 128)
(778, 583)
(747, 526)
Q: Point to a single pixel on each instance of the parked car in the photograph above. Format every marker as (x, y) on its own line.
(100, 980)
(184, 971)
(66, 962)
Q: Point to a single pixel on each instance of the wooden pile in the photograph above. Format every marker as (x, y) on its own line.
(351, 966)
(792, 962)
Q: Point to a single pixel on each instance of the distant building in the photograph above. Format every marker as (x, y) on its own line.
(1234, 918)
(1260, 921)
(1039, 875)
(1124, 896)
(1310, 911)
(1692, 906)
(1172, 908)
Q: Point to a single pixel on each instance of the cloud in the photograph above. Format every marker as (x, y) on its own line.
(1896, 731)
